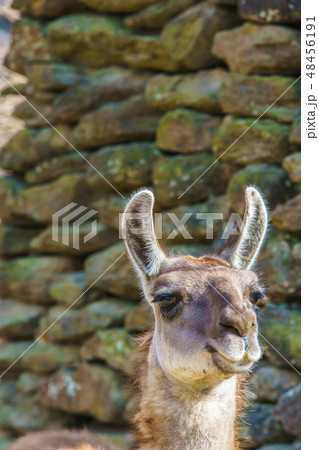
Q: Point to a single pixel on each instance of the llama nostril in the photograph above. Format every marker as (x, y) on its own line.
(230, 328)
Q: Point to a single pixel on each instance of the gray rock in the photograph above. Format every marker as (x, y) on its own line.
(281, 265)
(154, 17)
(105, 85)
(44, 243)
(269, 382)
(40, 358)
(91, 390)
(288, 410)
(10, 187)
(41, 144)
(271, 179)
(28, 416)
(260, 426)
(15, 240)
(110, 206)
(28, 45)
(54, 76)
(68, 288)
(76, 325)
(295, 135)
(288, 216)
(264, 141)
(114, 346)
(280, 325)
(50, 169)
(251, 95)
(73, 39)
(186, 36)
(126, 167)
(117, 6)
(28, 278)
(199, 227)
(48, 9)
(39, 203)
(114, 123)
(18, 320)
(173, 176)
(198, 91)
(292, 164)
(186, 131)
(119, 277)
(148, 52)
(30, 383)
(264, 49)
(140, 319)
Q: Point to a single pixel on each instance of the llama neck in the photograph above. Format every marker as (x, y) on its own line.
(173, 416)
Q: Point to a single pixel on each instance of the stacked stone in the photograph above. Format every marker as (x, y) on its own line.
(142, 93)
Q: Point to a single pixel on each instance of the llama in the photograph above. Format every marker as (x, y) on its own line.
(188, 370)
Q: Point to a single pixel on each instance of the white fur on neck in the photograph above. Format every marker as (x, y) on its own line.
(183, 419)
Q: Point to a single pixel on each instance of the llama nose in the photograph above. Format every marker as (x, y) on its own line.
(240, 323)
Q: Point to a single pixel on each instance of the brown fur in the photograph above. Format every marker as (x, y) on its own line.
(138, 363)
(137, 374)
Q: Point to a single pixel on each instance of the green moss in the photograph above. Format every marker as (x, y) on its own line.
(281, 325)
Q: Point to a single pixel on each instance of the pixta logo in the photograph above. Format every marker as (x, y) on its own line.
(74, 218)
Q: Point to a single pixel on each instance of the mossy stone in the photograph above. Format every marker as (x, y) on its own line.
(115, 123)
(117, 6)
(89, 390)
(199, 91)
(173, 177)
(185, 37)
(186, 131)
(288, 216)
(76, 325)
(272, 180)
(41, 358)
(29, 44)
(260, 425)
(28, 278)
(263, 141)
(292, 164)
(48, 9)
(102, 86)
(38, 203)
(15, 240)
(119, 279)
(74, 37)
(281, 326)
(126, 167)
(263, 49)
(154, 17)
(19, 320)
(114, 346)
(250, 96)
(280, 261)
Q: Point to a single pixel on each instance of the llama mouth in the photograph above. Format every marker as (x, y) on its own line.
(228, 365)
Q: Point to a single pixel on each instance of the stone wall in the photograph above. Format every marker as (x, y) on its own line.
(151, 93)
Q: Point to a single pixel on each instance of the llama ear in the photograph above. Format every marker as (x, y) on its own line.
(139, 236)
(243, 252)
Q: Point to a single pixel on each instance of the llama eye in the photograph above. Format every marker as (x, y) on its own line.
(166, 301)
(255, 297)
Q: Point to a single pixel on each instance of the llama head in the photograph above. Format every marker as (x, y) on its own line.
(205, 323)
